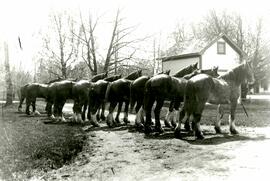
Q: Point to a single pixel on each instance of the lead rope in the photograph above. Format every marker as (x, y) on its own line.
(244, 108)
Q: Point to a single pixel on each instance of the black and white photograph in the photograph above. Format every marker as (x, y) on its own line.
(134, 90)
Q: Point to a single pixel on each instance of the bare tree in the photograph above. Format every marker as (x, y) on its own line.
(87, 39)
(61, 50)
(9, 85)
(118, 42)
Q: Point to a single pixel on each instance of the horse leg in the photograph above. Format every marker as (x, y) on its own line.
(169, 115)
(36, 112)
(102, 114)
(198, 131)
(132, 103)
(157, 110)
(109, 119)
(148, 103)
(28, 103)
(220, 114)
(75, 110)
(20, 105)
(177, 130)
(118, 112)
(54, 116)
(84, 111)
(175, 115)
(139, 120)
(232, 118)
(126, 113)
(60, 111)
(98, 114)
(47, 107)
(93, 119)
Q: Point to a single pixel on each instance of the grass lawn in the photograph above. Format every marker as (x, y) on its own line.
(29, 147)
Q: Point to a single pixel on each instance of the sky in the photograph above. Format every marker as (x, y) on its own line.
(26, 18)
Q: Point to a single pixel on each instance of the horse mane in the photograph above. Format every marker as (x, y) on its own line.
(187, 70)
(236, 74)
(55, 80)
(99, 76)
(113, 78)
(132, 74)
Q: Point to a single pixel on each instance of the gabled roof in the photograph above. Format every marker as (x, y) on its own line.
(198, 47)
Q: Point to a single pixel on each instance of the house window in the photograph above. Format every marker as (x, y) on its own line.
(221, 48)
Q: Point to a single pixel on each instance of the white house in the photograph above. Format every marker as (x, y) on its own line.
(221, 52)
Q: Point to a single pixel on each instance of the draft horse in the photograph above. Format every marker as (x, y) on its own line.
(160, 88)
(97, 98)
(30, 92)
(222, 90)
(80, 92)
(138, 86)
(118, 92)
(58, 93)
(170, 119)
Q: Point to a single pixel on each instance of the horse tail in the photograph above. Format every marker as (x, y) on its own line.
(107, 94)
(147, 94)
(190, 97)
(131, 97)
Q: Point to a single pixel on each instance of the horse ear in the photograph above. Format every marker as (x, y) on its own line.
(168, 72)
(196, 65)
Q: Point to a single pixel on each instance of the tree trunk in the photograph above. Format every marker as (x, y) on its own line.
(9, 86)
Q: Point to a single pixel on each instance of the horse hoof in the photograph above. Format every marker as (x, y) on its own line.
(148, 130)
(97, 117)
(95, 124)
(199, 136)
(167, 124)
(116, 120)
(218, 130)
(110, 124)
(139, 126)
(173, 124)
(102, 117)
(177, 134)
(126, 121)
(116, 124)
(234, 131)
(159, 129)
(187, 127)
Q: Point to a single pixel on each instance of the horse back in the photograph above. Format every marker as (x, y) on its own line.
(119, 90)
(223, 92)
(61, 89)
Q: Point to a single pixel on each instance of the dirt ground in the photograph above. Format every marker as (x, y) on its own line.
(123, 153)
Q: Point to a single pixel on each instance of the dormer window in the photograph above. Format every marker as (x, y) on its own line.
(221, 48)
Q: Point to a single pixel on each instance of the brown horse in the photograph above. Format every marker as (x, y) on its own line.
(80, 92)
(137, 90)
(118, 92)
(30, 92)
(222, 90)
(171, 114)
